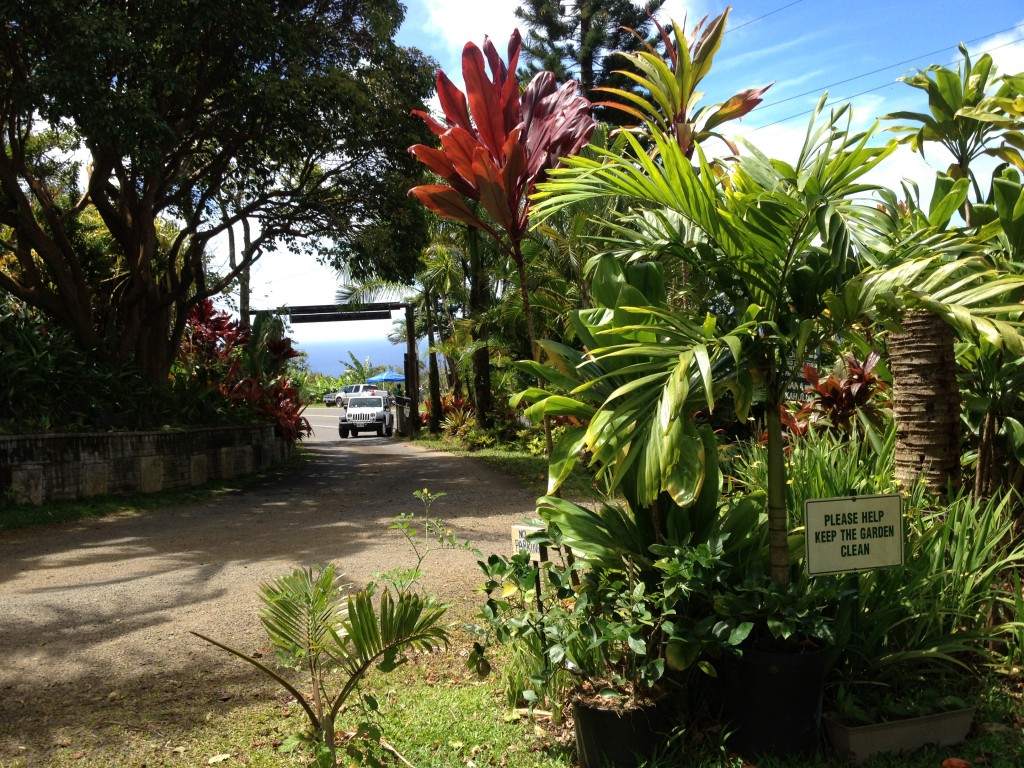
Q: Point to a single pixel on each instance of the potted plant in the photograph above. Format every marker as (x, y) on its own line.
(618, 624)
(915, 640)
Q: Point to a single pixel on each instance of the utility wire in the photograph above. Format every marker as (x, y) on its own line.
(869, 90)
(882, 69)
(575, 65)
(763, 16)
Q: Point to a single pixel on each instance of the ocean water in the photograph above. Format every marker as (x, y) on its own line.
(331, 357)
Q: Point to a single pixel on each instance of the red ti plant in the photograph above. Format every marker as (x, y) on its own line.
(836, 400)
(496, 145)
(244, 367)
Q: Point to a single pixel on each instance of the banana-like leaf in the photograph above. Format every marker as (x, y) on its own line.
(607, 538)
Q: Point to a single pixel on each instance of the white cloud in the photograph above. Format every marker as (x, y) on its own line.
(1007, 50)
(456, 22)
(692, 12)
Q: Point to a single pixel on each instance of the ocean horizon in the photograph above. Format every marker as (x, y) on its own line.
(330, 357)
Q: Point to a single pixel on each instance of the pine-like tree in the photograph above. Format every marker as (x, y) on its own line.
(575, 39)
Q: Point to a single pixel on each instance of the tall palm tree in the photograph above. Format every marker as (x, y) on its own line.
(926, 396)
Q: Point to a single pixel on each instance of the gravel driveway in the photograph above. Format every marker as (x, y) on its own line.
(96, 612)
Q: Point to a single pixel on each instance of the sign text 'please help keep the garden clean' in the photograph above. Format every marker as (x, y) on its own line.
(853, 533)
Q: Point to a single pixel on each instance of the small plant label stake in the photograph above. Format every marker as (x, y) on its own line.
(853, 533)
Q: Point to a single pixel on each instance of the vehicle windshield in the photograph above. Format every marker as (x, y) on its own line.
(366, 402)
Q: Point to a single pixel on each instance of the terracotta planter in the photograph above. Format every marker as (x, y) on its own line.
(857, 743)
(616, 737)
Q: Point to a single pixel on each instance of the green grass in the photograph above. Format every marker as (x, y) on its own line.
(433, 711)
(531, 471)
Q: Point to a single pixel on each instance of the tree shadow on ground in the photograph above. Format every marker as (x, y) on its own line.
(97, 612)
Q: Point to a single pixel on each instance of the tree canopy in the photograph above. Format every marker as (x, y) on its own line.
(578, 41)
(192, 117)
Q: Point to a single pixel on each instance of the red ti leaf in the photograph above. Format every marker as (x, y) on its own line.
(484, 103)
(445, 201)
(493, 195)
(435, 127)
(453, 102)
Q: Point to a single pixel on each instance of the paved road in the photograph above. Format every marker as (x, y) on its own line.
(106, 604)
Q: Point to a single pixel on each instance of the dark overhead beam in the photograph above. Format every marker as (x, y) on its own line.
(317, 309)
(324, 317)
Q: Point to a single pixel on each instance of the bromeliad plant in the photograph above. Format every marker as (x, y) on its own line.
(316, 630)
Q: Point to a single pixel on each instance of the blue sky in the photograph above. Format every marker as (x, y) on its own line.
(855, 51)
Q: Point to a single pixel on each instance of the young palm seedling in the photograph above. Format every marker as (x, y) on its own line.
(316, 629)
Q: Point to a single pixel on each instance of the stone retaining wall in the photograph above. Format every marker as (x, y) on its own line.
(41, 468)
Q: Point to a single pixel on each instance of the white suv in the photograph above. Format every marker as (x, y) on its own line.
(366, 411)
(340, 398)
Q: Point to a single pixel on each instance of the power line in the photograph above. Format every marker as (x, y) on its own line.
(575, 65)
(883, 69)
(763, 16)
(869, 90)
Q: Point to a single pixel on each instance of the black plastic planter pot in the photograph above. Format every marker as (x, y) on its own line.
(773, 700)
(612, 737)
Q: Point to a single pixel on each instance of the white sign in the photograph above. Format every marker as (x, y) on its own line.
(519, 543)
(853, 533)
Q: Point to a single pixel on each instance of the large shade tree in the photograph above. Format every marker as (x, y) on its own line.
(294, 117)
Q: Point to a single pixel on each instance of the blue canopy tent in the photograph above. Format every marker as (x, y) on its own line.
(388, 377)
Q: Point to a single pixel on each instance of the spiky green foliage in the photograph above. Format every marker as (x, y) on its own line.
(315, 628)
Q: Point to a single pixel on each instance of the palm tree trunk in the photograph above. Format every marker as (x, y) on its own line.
(926, 403)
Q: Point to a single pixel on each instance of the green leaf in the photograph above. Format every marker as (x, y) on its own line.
(947, 198)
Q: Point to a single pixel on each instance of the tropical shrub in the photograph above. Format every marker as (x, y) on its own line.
(951, 607)
(316, 630)
(852, 391)
(245, 367)
(459, 408)
(952, 611)
(47, 382)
